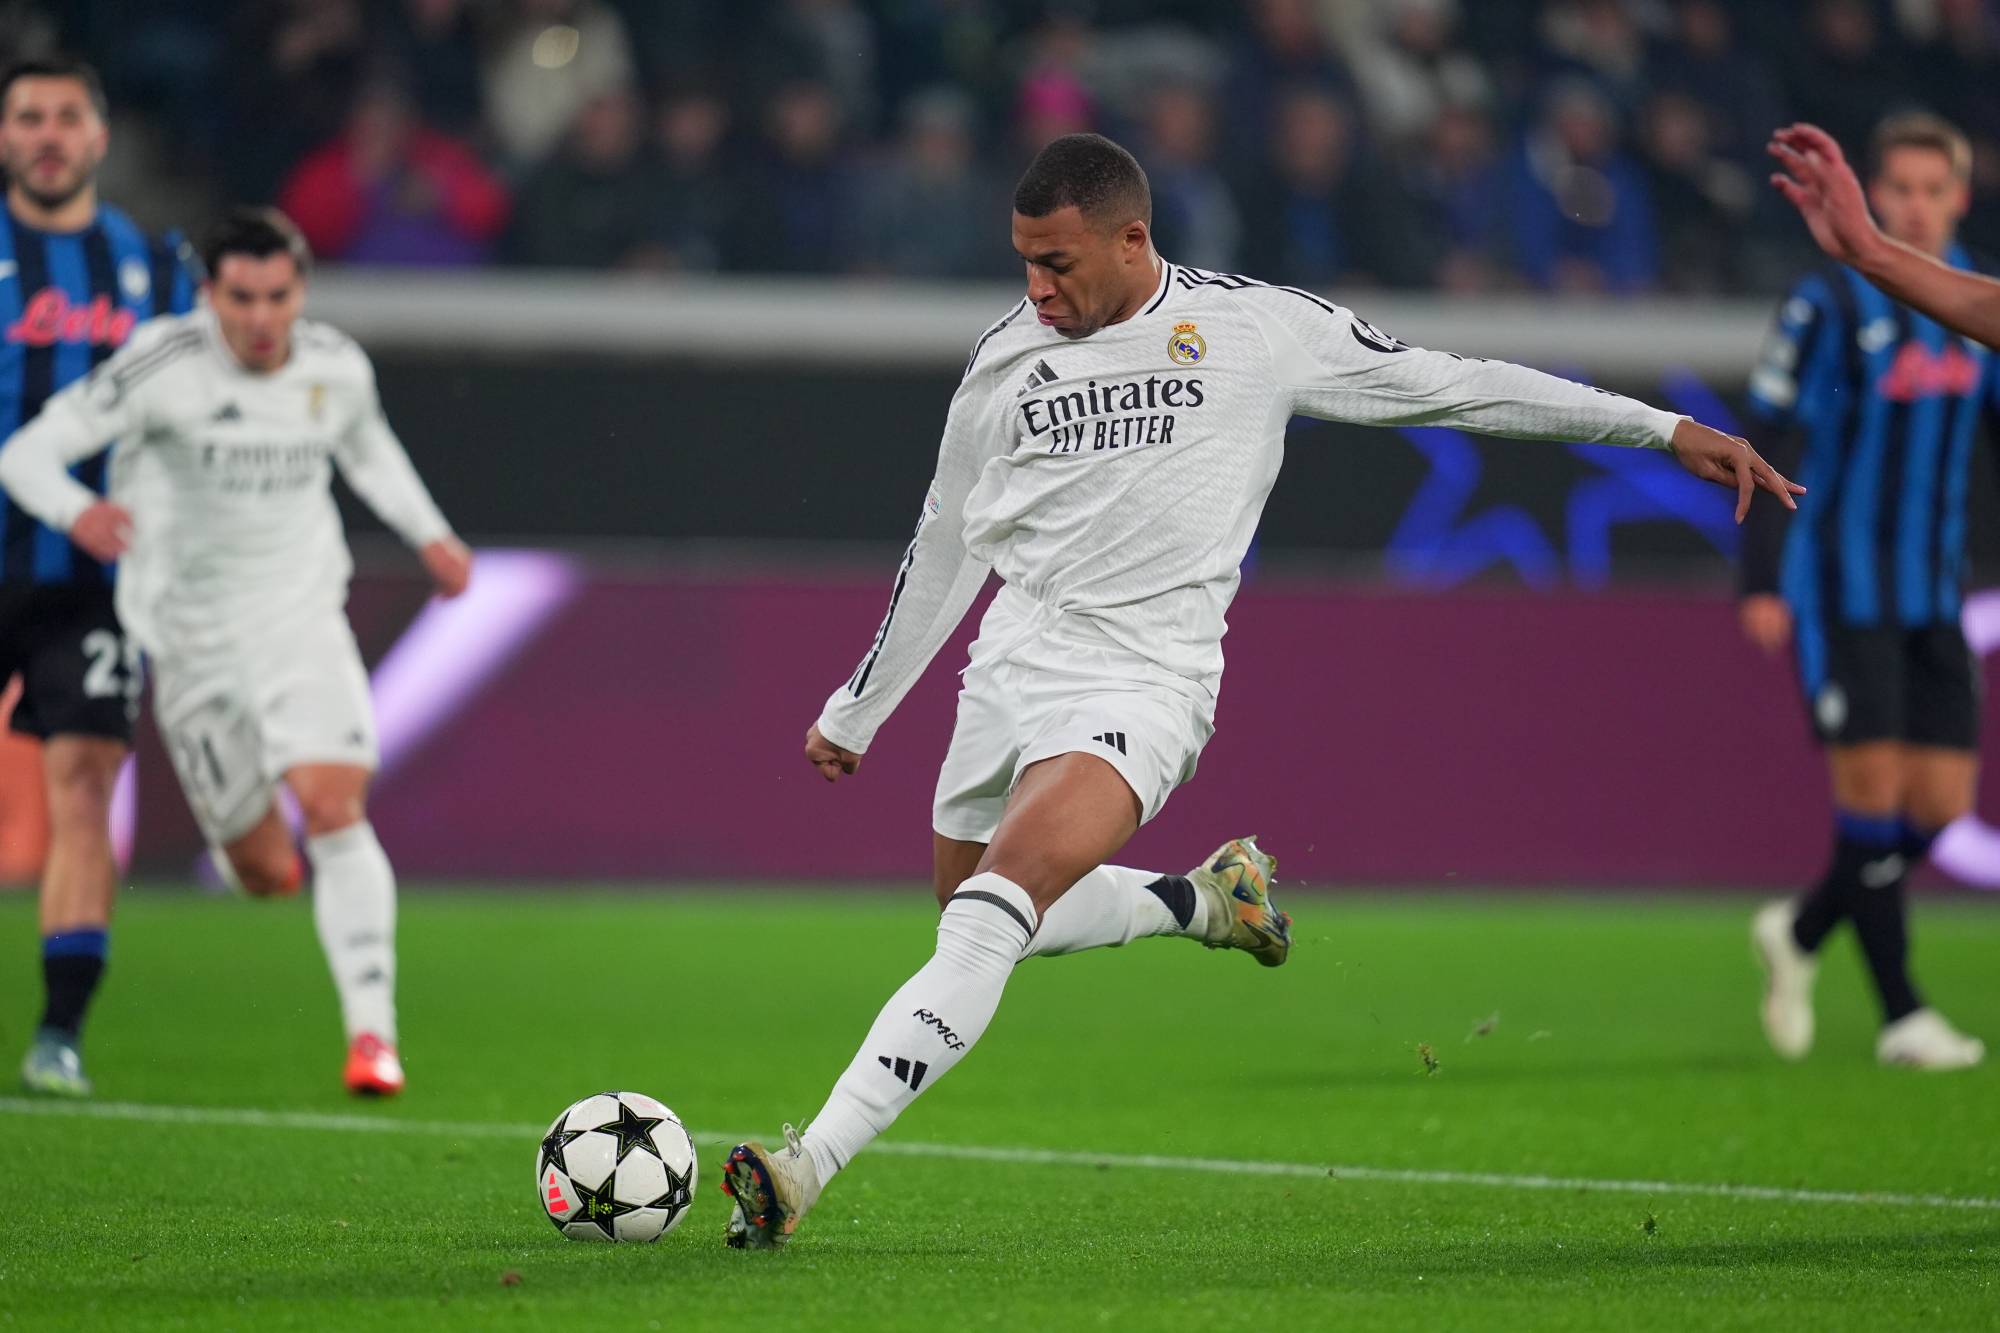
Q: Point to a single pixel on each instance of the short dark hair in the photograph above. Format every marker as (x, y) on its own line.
(257, 232)
(57, 67)
(1089, 172)
(1921, 129)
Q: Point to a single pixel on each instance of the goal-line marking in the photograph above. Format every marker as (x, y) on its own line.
(251, 1118)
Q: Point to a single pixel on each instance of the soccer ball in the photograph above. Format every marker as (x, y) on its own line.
(615, 1166)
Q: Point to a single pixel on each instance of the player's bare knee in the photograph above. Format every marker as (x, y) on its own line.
(330, 812)
(1869, 783)
(1932, 818)
(1931, 810)
(267, 872)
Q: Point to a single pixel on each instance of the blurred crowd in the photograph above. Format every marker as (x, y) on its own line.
(1464, 145)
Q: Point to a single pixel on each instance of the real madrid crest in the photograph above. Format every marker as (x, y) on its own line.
(1186, 346)
(315, 400)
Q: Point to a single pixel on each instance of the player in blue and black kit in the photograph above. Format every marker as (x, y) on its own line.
(1866, 586)
(75, 277)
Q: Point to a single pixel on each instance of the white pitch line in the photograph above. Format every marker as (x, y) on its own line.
(251, 1118)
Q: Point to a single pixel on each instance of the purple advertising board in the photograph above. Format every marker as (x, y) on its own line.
(595, 726)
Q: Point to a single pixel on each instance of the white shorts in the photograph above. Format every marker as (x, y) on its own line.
(1038, 689)
(235, 728)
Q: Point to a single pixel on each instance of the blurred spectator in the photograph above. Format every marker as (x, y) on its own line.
(831, 42)
(1956, 60)
(1702, 196)
(1843, 79)
(224, 99)
(953, 42)
(1957, 63)
(1458, 183)
(1195, 220)
(295, 66)
(164, 62)
(390, 190)
(1282, 46)
(1581, 215)
(800, 196)
(1052, 97)
(1704, 59)
(1408, 64)
(931, 212)
(552, 57)
(597, 204)
(437, 37)
(26, 32)
(1316, 216)
(1600, 40)
(699, 197)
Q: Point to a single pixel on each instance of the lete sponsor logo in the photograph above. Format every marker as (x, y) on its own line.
(1918, 372)
(51, 317)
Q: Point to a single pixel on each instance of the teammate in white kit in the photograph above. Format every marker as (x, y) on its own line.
(1107, 454)
(225, 425)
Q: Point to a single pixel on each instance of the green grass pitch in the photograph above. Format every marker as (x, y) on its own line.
(1625, 1049)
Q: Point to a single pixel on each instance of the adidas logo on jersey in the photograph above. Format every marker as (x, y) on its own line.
(228, 412)
(904, 1070)
(1042, 374)
(1114, 739)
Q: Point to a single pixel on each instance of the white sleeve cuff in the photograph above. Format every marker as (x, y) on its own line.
(1662, 425)
(838, 734)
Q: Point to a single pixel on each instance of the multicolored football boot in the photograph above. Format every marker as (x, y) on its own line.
(1236, 885)
(773, 1190)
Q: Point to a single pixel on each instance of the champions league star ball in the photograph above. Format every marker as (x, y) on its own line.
(616, 1166)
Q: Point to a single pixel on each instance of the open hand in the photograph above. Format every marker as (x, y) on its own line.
(1817, 181)
(828, 758)
(1728, 460)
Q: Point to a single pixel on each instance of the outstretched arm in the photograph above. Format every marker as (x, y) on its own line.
(935, 586)
(1820, 184)
(1342, 368)
(379, 469)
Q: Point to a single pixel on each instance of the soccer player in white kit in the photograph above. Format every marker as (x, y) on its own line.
(225, 425)
(1107, 454)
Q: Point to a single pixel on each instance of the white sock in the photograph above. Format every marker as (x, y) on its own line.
(930, 1023)
(1106, 908)
(354, 906)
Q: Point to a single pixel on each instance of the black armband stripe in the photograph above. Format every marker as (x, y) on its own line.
(867, 667)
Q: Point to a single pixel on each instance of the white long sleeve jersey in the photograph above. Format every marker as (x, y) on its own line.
(1117, 479)
(227, 474)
